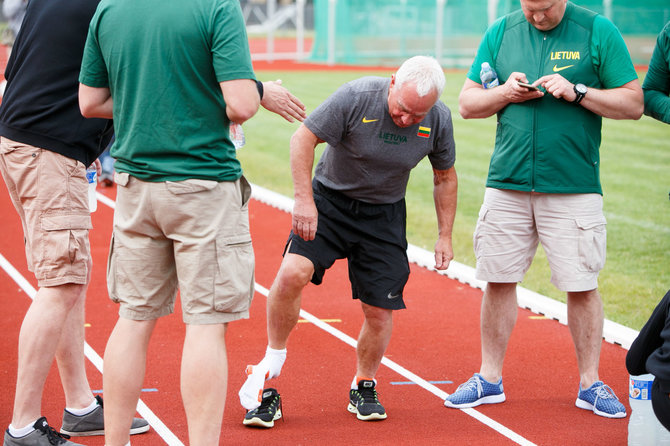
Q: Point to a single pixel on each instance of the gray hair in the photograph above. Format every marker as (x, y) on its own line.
(424, 71)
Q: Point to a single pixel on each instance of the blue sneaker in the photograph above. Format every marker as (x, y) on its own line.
(474, 392)
(601, 399)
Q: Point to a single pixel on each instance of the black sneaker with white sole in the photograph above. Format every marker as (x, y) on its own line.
(364, 403)
(265, 414)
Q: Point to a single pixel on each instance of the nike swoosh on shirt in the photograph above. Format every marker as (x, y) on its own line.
(557, 68)
(392, 296)
(366, 120)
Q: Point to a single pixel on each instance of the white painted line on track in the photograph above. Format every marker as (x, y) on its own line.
(146, 413)
(410, 375)
(612, 332)
(527, 299)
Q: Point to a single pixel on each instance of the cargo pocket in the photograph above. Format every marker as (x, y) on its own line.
(592, 243)
(234, 287)
(478, 236)
(112, 276)
(66, 242)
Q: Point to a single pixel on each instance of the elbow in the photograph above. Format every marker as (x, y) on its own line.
(637, 112)
(242, 113)
(242, 108)
(465, 112)
(86, 109)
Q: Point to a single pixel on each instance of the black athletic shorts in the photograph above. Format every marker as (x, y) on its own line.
(372, 237)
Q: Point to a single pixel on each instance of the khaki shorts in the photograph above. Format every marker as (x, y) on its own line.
(190, 235)
(571, 228)
(50, 194)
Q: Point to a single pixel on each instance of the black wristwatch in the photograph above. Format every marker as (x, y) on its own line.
(580, 91)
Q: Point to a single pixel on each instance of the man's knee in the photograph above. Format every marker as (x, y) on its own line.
(294, 274)
(377, 316)
(68, 294)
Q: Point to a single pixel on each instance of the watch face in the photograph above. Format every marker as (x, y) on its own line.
(580, 88)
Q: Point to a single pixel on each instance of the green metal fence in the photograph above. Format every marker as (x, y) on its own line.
(385, 31)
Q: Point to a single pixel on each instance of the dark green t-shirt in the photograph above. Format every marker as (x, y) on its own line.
(162, 61)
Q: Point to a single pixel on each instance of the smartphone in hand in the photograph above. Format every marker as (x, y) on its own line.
(527, 85)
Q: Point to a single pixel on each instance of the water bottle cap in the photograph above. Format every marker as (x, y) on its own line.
(485, 65)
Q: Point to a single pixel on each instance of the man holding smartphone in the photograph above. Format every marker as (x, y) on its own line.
(543, 183)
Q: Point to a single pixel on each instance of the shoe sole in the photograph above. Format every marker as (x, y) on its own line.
(133, 431)
(492, 399)
(588, 406)
(257, 422)
(372, 417)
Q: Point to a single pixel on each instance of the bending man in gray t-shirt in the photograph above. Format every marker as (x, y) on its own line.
(376, 130)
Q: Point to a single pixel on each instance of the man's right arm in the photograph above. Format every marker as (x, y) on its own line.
(303, 143)
(475, 101)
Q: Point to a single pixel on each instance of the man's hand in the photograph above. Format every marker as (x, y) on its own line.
(515, 93)
(443, 253)
(305, 217)
(278, 99)
(558, 86)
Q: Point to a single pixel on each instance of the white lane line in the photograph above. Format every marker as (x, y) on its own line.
(146, 413)
(385, 361)
(411, 376)
(537, 303)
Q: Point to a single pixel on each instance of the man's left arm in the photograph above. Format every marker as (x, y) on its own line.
(625, 102)
(95, 102)
(621, 96)
(445, 189)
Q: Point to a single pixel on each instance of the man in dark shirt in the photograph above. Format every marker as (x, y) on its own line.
(650, 353)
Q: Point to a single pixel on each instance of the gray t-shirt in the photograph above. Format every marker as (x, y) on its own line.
(368, 157)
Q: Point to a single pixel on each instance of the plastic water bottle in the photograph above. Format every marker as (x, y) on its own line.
(644, 429)
(236, 135)
(488, 76)
(92, 177)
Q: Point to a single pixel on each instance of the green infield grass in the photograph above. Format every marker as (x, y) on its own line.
(635, 161)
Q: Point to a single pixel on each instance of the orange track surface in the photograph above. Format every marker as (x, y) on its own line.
(437, 338)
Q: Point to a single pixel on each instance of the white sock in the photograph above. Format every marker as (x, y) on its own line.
(86, 410)
(274, 360)
(270, 367)
(21, 432)
(127, 444)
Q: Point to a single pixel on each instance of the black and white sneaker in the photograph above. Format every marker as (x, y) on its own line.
(265, 414)
(364, 402)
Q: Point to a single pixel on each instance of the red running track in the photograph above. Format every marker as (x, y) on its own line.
(436, 338)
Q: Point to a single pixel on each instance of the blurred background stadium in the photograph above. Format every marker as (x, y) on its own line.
(383, 32)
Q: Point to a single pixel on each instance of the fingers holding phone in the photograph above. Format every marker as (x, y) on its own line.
(528, 86)
(520, 90)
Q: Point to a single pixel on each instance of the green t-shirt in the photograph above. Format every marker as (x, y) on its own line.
(162, 61)
(656, 84)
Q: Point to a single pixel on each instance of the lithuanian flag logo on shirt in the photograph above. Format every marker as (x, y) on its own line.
(423, 132)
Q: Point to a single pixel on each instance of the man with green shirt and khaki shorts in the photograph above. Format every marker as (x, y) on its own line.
(543, 183)
(173, 75)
